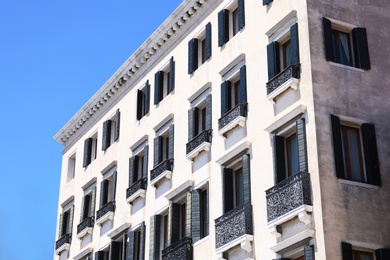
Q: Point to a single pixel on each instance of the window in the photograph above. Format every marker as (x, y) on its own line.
(110, 131)
(137, 165)
(355, 151)
(163, 145)
(199, 49)
(66, 221)
(164, 82)
(351, 252)
(136, 243)
(266, 2)
(177, 225)
(107, 197)
(138, 174)
(143, 96)
(90, 150)
(115, 251)
(200, 213)
(102, 255)
(230, 21)
(199, 118)
(71, 167)
(88, 204)
(346, 45)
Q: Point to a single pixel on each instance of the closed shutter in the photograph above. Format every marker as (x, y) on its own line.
(132, 168)
(157, 150)
(146, 158)
(192, 55)
(99, 255)
(242, 96)
(209, 112)
(382, 254)
(302, 147)
(273, 59)
(246, 178)
(106, 134)
(346, 250)
(279, 159)
(227, 176)
(115, 250)
(142, 241)
(195, 215)
(225, 97)
(146, 97)
(188, 215)
(103, 193)
(93, 202)
(371, 154)
(241, 14)
(223, 27)
(360, 46)
(265, 2)
(113, 182)
(70, 221)
(171, 75)
(154, 237)
(171, 141)
(337, 147)
(309, 252)
(173, 223)
(208, 44)
(117, 125)
(140, 98)
(158, 86)
(87, 152)
(191, 122)
(294, 44)
(327, 26)
(130, 245)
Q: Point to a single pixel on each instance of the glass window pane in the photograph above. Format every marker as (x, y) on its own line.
(353, 141)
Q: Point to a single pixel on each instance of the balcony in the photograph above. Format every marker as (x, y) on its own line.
(234, 228)
(163, 170)
(181, 249)
(85, 227)
(288, 78)
(235, 117)
(199, 143)
(63, 243)
(137, 190)
(105, 213)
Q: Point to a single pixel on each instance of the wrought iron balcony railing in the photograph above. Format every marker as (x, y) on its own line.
(65, 239)
(292, 71)
(233, 224)
(204, 136)
(181, 249)
(288, 195)
(138, 185)
(109, 207)
(86, 223)
(166, 165)
(239, 110)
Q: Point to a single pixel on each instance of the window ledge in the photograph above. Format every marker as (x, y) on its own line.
(201, 241)
(165, 174)
(345, 66)
(245, 241)
(359, 184)
(205, 146)
(291, 83)
(84, 232)
(138, 194)
(297, 239)
(64, 247)
(108, 216)
(238, 121)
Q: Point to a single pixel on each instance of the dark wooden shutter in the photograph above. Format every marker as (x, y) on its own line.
(279, 159)
(157, 150)
(140, 98)
(171, 75)
(87, 199)
(371, 154)
(337, 147)
(99, 255)
(273, 59)
(191, 116)
(225, 97)
(87, 152)
(265, 2)
(106, 134)
(302, 146)
(173, 223)
(382, 254)
(246, 177)
(309, 252)
(146, 158)
(146, 97)
(209, 112)
(113, 183)
(103, 193)
(195, 215)
(223, 27)
(82, 211)
(327, 26)
(227, 176)
(132, 168)
(70, 221)
(61, 225)
(346, 250)
(158, 86)
(294, 44)
(171, 134)
(93, 202)
(242, 96)
(117, 125)
(360, 46)
(130, 245)
(115, 250)
(154, 237)
(188, 215)
(241, 14)
(208, 44)
(142, 241)
(192, 55)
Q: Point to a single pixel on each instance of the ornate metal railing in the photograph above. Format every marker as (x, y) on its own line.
(86, 223)
(138, 185)
(292, 71)
(239, 110)
(233, 224)
(288, 195)
(65, 239)
(109, 207)
(181, 249)
(166, 165)
(204, 136)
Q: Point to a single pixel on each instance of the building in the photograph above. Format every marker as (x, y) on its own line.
(238, 130)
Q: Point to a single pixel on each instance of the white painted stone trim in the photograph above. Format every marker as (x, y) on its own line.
(108, 216)
(84, 232)
(138, 194)
(308, 233)
(291, 83)
(165, 174)
(238, 121)
(245, 241)
(205, 146)
(64, 247)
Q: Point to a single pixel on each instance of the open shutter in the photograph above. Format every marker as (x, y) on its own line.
(302, 147)
(157, 149)
(265, 2)
(246, 177)
(115, 250)
(382, 254)
(171, 141)
(146, 97)
(242, 96)
(106, 134)
(61, 225)
(103, 193)
(195, 215)
(227, 176)
(241, 14)
(371, 154)
(142, 241)
(273, 59)
(279, 159)
(192, 55)
(154, 237)
(327, 26)
(171, 75)
(113, 190)
(191, 116)
(146, 156)
(173, 223)
(209, 112)
(337, 147)
(140, 98)
(93, 202)
(87, 152)
(158, 86)
(346, 250)
(132, 168)
(360, 46)
(309, 252)
(225, 97)
(208, 44)
(130, 245)
(83, 208)
(188, 215)
(294, 44)
(223, 27)
(70, 222)
(99, 255)
(117, 125)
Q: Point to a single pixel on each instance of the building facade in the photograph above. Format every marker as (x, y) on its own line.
(240, 129)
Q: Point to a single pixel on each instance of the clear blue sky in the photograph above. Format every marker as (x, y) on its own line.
(54, 55)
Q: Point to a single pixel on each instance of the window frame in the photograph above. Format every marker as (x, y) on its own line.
(71, 167)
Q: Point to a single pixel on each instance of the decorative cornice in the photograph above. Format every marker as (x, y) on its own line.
(129, 69)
